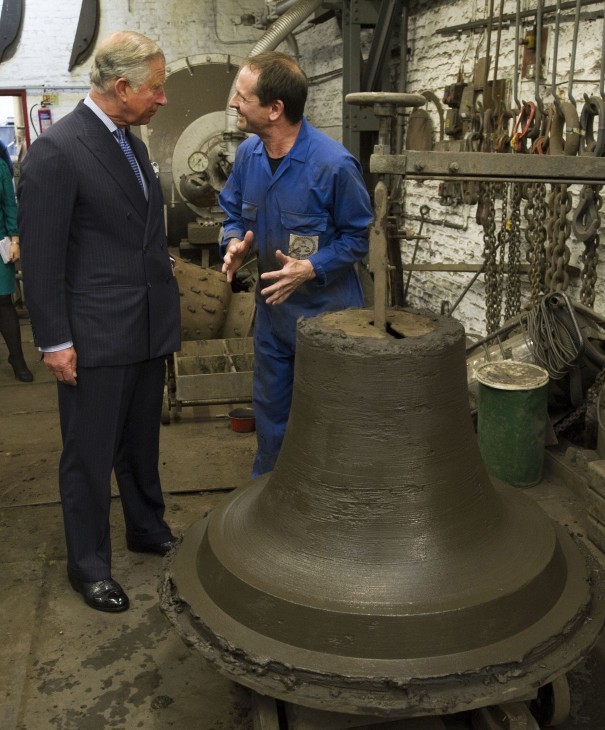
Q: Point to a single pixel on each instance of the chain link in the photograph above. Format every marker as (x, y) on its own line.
(535, 213)
(513, 226)
(559, 228)
(591, 244)
(493, 278)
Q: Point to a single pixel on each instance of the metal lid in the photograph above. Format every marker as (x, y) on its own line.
(512, 375)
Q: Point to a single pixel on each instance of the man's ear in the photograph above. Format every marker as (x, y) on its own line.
(276, 110)
(121, 87)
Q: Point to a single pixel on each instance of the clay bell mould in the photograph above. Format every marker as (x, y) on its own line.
(378, 570)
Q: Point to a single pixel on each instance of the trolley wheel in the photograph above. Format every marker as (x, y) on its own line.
(553, 703)
(165, 417)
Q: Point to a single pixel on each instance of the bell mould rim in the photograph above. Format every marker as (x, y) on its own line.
(410, 687)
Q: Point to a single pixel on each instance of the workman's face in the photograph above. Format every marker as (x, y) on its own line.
(251, 116)
(142, 104)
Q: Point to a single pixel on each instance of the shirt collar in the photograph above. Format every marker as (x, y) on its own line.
(97, 111)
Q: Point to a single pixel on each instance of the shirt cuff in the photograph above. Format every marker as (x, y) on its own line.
(56, 348)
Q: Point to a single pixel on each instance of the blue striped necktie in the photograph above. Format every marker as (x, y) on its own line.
(120, 135)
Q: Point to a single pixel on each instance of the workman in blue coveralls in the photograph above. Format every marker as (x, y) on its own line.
(297, 199)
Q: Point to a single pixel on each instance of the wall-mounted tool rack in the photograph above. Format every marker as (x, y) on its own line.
(488, 166)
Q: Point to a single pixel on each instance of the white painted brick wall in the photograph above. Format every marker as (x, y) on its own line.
(434, 63)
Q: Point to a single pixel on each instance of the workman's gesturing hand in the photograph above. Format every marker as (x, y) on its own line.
(235, 254)
(62, 364)
(294, 273)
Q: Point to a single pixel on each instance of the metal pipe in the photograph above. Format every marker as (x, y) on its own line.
(572, 63)
(269, 41)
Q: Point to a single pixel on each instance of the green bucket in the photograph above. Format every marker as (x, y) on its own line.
(512, 419)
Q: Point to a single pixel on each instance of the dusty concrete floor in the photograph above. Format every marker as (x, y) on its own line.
(67, 667)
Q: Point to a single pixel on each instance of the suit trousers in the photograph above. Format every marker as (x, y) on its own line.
(110, 420)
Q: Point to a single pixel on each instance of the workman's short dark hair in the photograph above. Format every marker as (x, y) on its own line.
(280, 78)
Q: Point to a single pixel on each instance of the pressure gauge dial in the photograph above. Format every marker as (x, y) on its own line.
(198, 161)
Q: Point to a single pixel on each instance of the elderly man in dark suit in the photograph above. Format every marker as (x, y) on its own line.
(104, 306)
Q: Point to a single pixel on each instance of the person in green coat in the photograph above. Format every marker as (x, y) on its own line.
(9, 320)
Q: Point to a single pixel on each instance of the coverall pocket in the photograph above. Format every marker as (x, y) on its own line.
(304, 224)
(304, 232)
(249, 211)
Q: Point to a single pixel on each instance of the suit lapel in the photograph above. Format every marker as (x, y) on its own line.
(98, 139)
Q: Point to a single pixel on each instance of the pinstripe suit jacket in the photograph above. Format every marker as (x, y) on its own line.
(95, 261)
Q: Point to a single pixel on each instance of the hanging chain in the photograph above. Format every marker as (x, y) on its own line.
(591, 244)
(513, 225)
(493, 283)
(535, 234)
(559, 228)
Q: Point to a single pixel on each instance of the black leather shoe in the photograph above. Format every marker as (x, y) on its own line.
(22, 372)
(104, 595)
(159, 548)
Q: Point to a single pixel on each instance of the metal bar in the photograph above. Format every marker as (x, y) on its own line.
(516, 72)
(555, 50)
(538, 64)
(510, 17)
(372, 75)
(491, 166)
(488, 44)
(602, 85)
(572, 62)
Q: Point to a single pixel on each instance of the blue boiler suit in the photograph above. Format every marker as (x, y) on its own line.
(315, 206)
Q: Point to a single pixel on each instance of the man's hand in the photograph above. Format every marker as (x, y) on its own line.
(294, 273)
(236, 254)
(62, 364)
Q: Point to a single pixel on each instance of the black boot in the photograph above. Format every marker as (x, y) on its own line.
(11, 331)
(22, 372)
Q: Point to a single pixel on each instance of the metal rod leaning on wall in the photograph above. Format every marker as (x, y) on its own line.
(472, 281)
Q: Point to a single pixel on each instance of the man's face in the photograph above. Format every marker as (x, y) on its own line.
(251, 116)
(142, 104)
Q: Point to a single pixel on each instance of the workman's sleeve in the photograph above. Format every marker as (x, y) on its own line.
(352, 214)
(47, 195)
(9, 204)
(230, 200)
